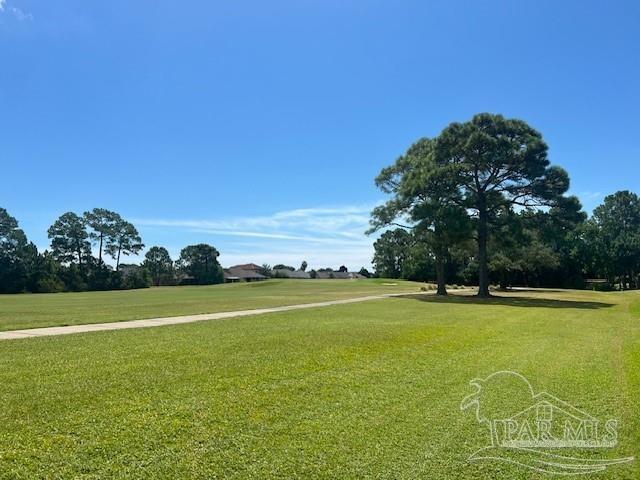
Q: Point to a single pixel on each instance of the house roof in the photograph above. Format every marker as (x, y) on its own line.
(339, 275)
(285, 272)
(243, 274)
(247, 266)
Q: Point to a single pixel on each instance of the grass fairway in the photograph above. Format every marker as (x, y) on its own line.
(369, 390)
(48, 310)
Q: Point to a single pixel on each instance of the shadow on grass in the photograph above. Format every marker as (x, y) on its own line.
(528, 289)
(508, 301)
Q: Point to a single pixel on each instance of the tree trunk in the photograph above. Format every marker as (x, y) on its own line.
(79, 252)
(442, 289)
(100, 251)
(118, 260)
(483, 267)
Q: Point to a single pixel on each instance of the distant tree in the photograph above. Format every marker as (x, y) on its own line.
(138, 279)
(201, 263)
(590, 251)
(364, 272)
(69, 240)
(303, 266)
(11, 237)
(390, 252)
(44, 274)
(537, 256)
(313, 274)
(419, 261)
(557, 232)
(103, 223)
(100, 276)
(13, 252)
(159, 264)
(507, 246)
(326, 269)
(280, 266)
(265, 270)
(134, 276)
(617, 223)
(124, 240)
(343, 269)
(74, 279)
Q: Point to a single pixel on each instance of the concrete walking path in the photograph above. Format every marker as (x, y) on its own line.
(157, 322)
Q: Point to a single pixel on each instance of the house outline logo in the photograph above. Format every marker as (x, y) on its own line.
(533, 427)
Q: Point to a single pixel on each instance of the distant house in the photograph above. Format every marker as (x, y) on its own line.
(238, 273)
(250, 272)
(248, 266)
(286, 273)
(183, 278)
(339, 275)
(230, 278)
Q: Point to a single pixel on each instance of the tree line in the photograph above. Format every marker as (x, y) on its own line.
(72, 264)
(481, 204)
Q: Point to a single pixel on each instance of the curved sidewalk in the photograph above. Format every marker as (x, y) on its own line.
(157, 322)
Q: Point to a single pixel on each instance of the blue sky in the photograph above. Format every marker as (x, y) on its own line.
(259, 126)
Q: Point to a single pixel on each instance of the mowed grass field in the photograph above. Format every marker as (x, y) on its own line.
(368, 390)
(48, 310)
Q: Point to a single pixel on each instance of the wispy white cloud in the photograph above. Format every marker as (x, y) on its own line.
(272, 236)
(324, 236)
(307, 225)
(589, 195)
(18, 13)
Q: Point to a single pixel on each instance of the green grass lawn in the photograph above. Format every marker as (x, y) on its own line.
(369, 390)
(47, 310)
